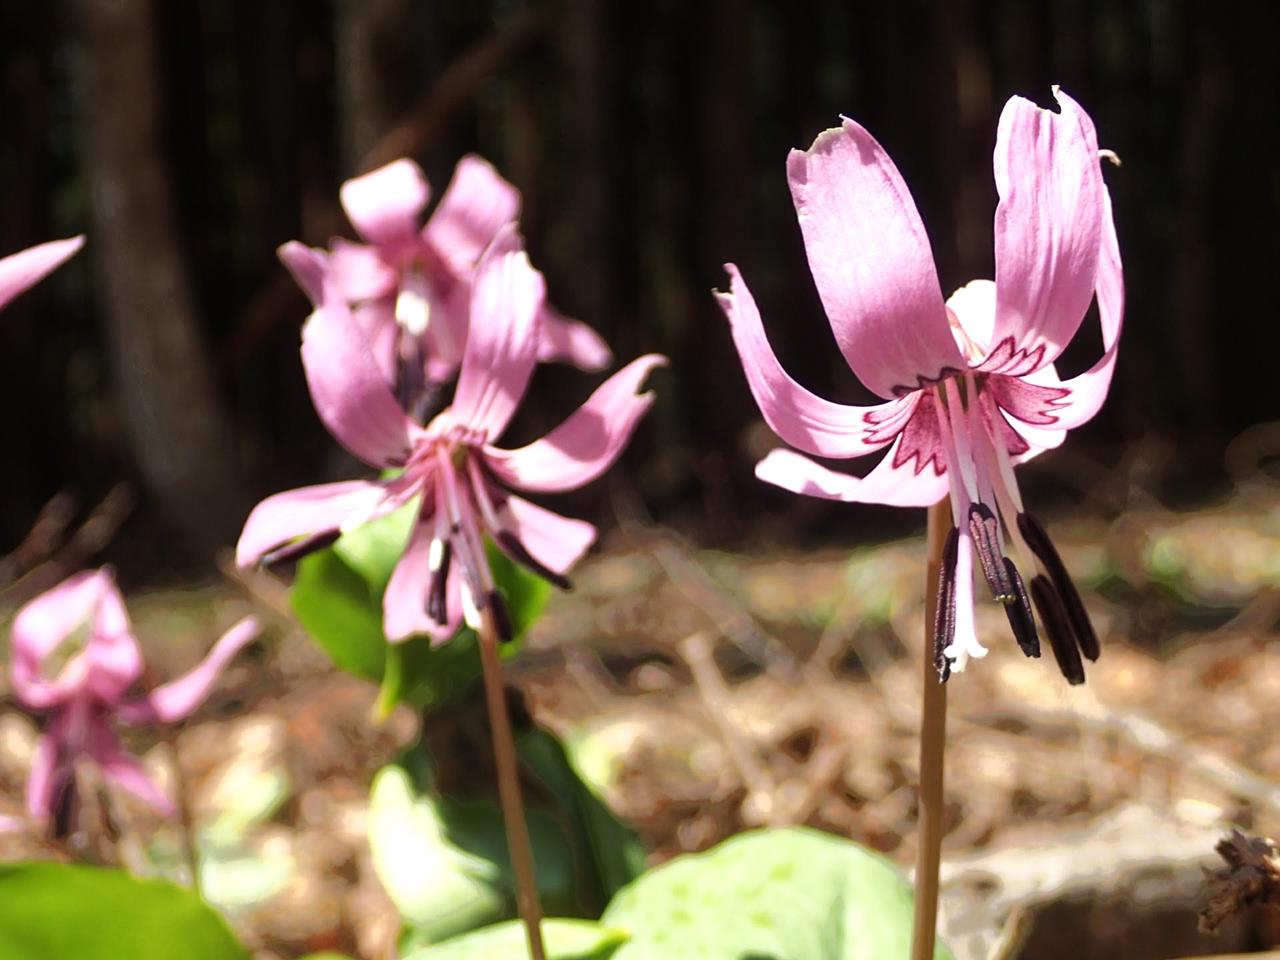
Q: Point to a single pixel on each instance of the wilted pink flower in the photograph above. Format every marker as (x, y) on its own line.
(22, 270)
(969, 384)
(409, 285)
(463, 483)
(75, 659)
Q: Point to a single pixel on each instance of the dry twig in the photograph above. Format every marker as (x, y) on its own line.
(1251, 877)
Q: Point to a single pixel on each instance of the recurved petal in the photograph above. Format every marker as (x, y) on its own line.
(502, 341)
(799, 417)
(112, 651)
(349, 390)
(1087, 391)
(124, 770)
(871, 261)
(28, 267)
(571, 341)
(385, 206)
(477, 203)
(587, 442)
(178, 698)
(894, 486)
(284, 517)
(1048, 226)
(308, 266)
(554, 541)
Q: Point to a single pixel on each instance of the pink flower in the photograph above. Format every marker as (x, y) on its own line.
(969, 384)
(22, 270)
(410, 286)
(74, 658)
(463, 484)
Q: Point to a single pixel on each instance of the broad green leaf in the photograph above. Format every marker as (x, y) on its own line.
(337, 597)
(564, 940)
(787, 894)
(444, 863)
(61, 910)
(612, 850)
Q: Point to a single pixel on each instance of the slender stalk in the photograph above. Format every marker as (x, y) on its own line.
(933, 739)
(182, 801)
(504, 752)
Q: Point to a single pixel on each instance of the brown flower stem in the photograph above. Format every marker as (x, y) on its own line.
(504, 752)
(186, 821)
(933, 740)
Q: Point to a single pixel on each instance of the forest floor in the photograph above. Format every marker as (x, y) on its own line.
(723, 692)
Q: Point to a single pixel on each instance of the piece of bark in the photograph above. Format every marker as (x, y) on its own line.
(1251, 877)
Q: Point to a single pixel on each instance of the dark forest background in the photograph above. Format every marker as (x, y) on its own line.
(155, 381)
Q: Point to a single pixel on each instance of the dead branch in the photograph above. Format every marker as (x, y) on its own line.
(1251, 877)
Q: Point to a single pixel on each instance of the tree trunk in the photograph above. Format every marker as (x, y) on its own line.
(171, 411)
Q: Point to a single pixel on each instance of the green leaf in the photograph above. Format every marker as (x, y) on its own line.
(337, 597)
(91, 913)
(444, 862)
(564, 940)
(612, 850)
(788, 894)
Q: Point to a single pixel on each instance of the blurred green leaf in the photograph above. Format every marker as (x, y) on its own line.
(612, 850)
(789, 894)
(444, 862)
(337, 597)
(56, 910)
(564, 940)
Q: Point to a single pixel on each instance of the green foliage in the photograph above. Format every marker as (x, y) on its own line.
(337, 597)
(91, 913)
(788, 894)
(564, 940)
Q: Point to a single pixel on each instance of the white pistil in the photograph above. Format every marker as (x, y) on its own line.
(470, 612)
(413, 305)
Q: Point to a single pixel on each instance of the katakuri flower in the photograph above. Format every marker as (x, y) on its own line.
(969, 385)
(74, 659)
(464, 486)
(25, 269)
(409, 285)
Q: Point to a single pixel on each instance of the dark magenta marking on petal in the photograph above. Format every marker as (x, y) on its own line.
(922, 438)
(1012, 361)
(1028, 402)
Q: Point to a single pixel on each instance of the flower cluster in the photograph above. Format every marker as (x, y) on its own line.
(969, 384)
(75, 660)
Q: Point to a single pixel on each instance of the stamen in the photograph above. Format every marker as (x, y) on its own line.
(985, 531)
(470, 610)
(437, 589)
(1038, 540)
(300, 548)
(501, 617)
(1054, 618)
(944, 616)
(1021, 620)
(517, 552)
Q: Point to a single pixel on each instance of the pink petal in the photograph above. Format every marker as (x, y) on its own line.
(1088, 391)
(45, 622)
(377, 320)
(554, 541)
(871, 261)
(349, 391)
(477, 203)
(404, 605)
(502, 342)
(298, 513)
(894, 486)
(44, 774)
(113, 654)
(308, 265)
(797, 416)
(124, 770)
(587, 442)
(385, 206)
(22, 270)
(359, 272)
(1048, 225)
(571, 341)
(178, 698)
